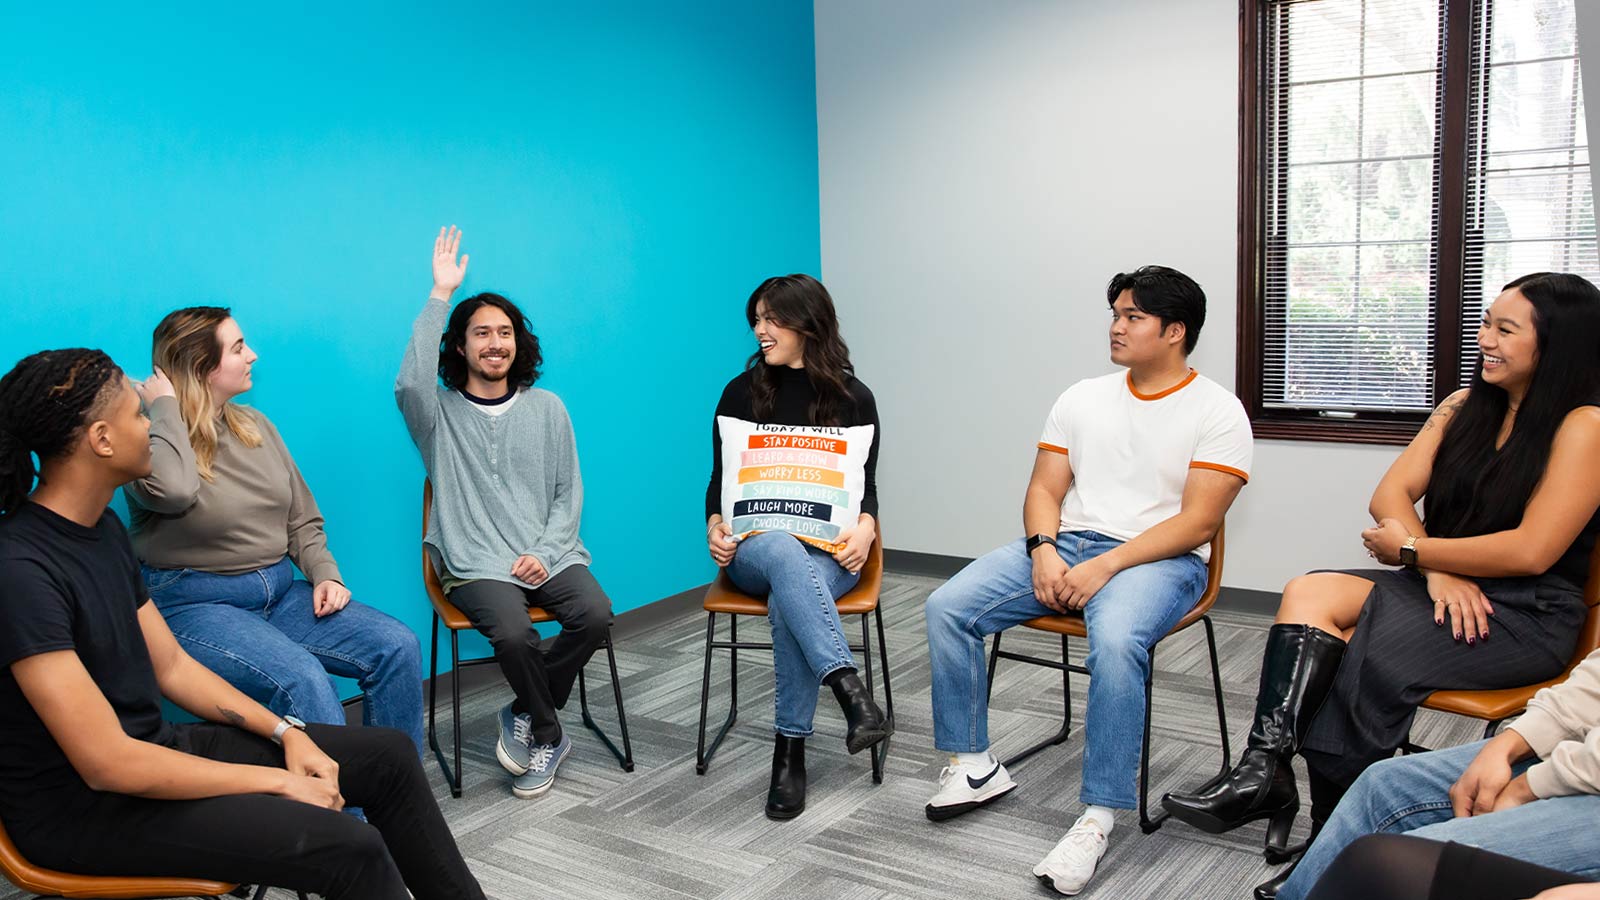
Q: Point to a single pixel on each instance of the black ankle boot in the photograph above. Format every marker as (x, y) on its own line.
(861, 713)
(787, 796)
(1295, 678)
(1268, 890)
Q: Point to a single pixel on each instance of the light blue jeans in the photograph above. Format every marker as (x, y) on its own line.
(801, 583)
(258, 631)
(1136, 608)
(1410, 794)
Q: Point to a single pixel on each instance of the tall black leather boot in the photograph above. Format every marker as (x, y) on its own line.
(1295, 678)
(866, 722)
(787, 796)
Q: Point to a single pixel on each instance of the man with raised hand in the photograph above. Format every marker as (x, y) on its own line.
(507, 498)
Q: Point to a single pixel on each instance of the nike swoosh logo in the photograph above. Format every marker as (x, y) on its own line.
(982, 781)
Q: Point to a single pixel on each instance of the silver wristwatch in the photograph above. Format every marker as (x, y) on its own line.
(284, 724)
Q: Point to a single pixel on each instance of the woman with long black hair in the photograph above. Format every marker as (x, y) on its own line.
(782, 436)
(1489, 593)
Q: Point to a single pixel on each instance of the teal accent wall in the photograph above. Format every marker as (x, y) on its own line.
(625, 170)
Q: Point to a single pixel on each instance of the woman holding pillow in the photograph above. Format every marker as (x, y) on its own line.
(791, 511)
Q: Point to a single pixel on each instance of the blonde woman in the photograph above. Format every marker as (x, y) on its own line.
(220, 526)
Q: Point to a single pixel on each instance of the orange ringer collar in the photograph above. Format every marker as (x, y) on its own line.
(1166, 393)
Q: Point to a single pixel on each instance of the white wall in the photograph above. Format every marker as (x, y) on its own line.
(985, 168)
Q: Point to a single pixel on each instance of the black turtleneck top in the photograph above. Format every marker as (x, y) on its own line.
(792, 406)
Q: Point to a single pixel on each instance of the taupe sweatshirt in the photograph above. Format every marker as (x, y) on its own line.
(1562, 725)
(256, 511)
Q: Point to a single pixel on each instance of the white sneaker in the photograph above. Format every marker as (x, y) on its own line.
(1071, 864)
(965, 787)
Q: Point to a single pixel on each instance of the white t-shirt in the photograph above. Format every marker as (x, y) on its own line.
(496, 410)
(1131, 453)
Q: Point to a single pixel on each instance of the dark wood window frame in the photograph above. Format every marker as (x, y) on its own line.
(1451, 155)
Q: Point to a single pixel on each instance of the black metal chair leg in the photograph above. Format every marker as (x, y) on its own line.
(1216, 687)
(451, 778)
(623, 759)
(1059, 737)
(733, 670)
(994, 662)
(455, 708)
(1488, 730)
(1147, 824)
(700, 760)
(706, 752)
(1066, 690)
(622, 715)
(866, 658)
(888, 693)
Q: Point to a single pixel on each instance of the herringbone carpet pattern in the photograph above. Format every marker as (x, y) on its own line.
(664, 833)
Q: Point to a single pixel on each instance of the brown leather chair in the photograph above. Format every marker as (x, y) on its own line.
(1072, 626)
(456, 622)
(723, 597)
(50, 883)
(1499, 705)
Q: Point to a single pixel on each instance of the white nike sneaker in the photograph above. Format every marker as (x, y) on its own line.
(965, 787)
(1071, 864)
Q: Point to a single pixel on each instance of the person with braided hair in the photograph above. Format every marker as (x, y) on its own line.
(92, 780)
(220, 524)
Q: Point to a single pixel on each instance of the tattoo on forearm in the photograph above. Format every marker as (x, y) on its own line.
(233, 718)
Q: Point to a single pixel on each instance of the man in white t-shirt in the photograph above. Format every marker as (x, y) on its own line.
(1134, 473)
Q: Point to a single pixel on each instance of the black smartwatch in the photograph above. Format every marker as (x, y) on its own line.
(1037, 541)
(1408, 553)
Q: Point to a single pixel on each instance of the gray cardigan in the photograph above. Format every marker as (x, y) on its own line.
(503, 486)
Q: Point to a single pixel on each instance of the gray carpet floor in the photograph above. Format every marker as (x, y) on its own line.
(665, 833)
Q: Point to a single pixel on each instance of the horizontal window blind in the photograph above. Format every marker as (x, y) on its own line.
(1530, 200)
(1401, 181)
(1352, 184)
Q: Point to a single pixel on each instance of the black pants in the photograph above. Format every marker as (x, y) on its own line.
(541, 681)
(1402, 867)
(264, 839)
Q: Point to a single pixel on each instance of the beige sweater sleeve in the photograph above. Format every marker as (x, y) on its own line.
(308, 540)
(173, 484)
(1562, 725)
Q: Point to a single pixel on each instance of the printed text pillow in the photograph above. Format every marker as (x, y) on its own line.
(806, 480)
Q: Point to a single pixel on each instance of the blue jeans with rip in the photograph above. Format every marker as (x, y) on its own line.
(1411, 795)
(258, 632)
(801, 583)
(1134, 610)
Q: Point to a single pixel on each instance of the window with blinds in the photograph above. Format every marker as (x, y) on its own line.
(1403, 160)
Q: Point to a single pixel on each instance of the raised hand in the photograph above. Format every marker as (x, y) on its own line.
(447, 272)
(155, 387)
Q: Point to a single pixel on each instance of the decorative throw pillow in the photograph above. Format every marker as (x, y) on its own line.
(805, 480)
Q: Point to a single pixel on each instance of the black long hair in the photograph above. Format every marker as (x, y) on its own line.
(801, 304)
(46, 400)
(453, 364)
(1475, 489)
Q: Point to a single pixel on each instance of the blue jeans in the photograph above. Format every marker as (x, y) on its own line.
(801, 583)
(1410, 794)
(258, 632)
(1136, 608)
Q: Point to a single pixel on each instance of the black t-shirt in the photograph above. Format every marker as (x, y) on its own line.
(792, 406)
(67, 587)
